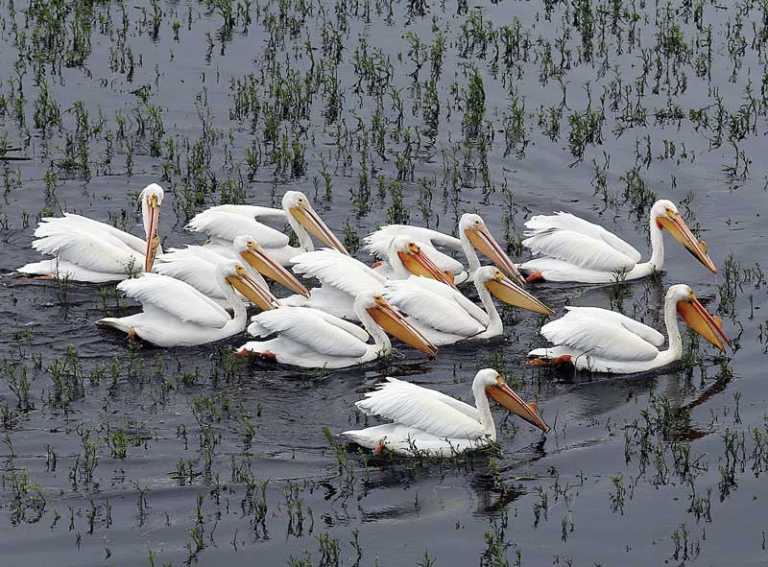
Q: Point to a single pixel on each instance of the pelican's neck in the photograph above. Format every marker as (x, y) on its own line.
(484, 409)
(145, 216)
(656, 263)
(380, 338)
(469, 251)
(305, 240)
(675, 350)
(235, 304)
(657, 245)
(495, 326)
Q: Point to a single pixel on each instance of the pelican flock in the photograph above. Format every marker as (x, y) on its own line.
(345, 312)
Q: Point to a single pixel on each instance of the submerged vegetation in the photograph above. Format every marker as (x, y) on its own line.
(382, 112)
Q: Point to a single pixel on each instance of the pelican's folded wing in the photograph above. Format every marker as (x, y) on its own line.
(252, 211)
(422, 409)
(642, 330)
(71, 222)
(197, 272)
(175, 297)
(566, 237)
(567, 221)
(453, 294)
(90, 251)
(600, 335)
(318, 333)
(228, 226)
(337, 270)
(435, 311)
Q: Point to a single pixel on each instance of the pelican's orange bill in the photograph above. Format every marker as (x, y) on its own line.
(702, 322)
(509, 399)
(396, 325)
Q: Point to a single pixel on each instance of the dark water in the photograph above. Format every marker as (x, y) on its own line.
(113, 455)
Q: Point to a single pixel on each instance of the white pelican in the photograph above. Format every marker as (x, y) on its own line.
(343, 277)
(310, 338)
(576, 250)
(429, 421)
(197, 266)
(474, 236)
(176, 314)
(600, 340)
(443, 315)
(86, 250)
(224, 223)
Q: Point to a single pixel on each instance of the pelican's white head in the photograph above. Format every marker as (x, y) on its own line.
(300, 211)
(473, 228)
(666, 216)
(392, 321)
(294, 199)
(696, 315)
(151, 197)
(486, 378)
(233, 274)
(679, 292)
(256, 257)
(504, 289)
(415, 262)
(494, 385)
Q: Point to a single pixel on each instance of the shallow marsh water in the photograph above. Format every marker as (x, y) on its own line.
(382, 112)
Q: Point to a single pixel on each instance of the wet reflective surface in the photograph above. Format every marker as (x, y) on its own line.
(114, 454)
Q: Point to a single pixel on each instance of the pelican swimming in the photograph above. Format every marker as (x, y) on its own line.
(224, 223)
(575, 250)
(431, 422)
(343, 277)
(197, 266)
(176, 314)
(600, 340)
(443, 315)
(310, 338)
(86, 250)
(474, 236)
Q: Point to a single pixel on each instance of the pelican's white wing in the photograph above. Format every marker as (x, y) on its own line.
(642, 330)
(197, 272)
(438, 312)
(211, 253)
(175, 298)
(102, 255)
(351, 328)
(314, 331)
(71, 222)
(599, 333)
(439, 288)
(422, 409)
(337, 270)
(566, 237)
(228, 226)
(251, 211)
